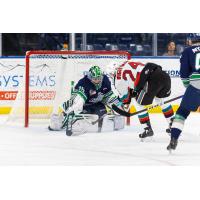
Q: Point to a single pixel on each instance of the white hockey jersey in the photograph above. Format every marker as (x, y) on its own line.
(127, 76)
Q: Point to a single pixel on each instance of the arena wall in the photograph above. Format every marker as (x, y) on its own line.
(12, 70)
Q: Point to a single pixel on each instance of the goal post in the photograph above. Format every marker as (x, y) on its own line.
(48, 75)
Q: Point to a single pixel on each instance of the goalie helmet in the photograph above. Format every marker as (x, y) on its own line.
(95, 74)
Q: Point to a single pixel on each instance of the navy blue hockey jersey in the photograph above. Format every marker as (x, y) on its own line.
(90, 93)
(190, 66)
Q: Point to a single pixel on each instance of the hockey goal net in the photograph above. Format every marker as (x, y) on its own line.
(48, 78)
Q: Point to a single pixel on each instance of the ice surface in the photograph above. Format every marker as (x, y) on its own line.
(37, 146)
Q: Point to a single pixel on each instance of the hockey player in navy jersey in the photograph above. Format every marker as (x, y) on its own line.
(190, 75)
(90, 96)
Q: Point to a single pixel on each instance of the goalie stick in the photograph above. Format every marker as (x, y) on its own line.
(91, 122)
(127, 114)
(69, 132)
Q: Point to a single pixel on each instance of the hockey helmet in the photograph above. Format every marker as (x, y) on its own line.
(194, 37)
(95, 72)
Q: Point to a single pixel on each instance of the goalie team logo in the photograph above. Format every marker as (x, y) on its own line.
(92, 92)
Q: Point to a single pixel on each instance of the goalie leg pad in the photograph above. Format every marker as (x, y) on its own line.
(83, 123)
(110, 123)
(56, 122)
(61, 121)
(119, 122)
(113, 122)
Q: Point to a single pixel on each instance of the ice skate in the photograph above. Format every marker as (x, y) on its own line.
(172, 145)
(148, 132)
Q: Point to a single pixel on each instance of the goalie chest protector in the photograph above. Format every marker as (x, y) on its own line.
(91, 93)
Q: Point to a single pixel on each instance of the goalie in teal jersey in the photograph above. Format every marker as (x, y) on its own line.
(91, 95)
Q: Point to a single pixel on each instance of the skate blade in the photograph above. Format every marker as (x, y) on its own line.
(170, 151)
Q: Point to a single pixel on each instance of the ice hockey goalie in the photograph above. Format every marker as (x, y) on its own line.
(86, 110)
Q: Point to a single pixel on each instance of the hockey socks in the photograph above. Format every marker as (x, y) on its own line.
(145, 121)
(168, 112)
(178, 122)
(144, 118)
(177, 126)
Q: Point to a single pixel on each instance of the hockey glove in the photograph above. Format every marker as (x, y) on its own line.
(66, 105)
(133, 93)
(114, 100)
(56, 122)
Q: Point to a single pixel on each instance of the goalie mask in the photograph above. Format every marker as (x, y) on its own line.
(95, 75)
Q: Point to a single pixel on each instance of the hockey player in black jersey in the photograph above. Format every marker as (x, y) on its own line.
(144, 82)
(190, 75)
(90, 96)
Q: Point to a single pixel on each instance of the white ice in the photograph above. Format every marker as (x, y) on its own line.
(37, 146)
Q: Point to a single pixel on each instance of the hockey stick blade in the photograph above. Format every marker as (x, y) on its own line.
(121, 112)
(127, 114)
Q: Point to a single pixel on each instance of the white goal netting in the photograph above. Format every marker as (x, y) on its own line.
(48, 78)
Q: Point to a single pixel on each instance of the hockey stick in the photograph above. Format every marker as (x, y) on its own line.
(84, 117)
(127, 114)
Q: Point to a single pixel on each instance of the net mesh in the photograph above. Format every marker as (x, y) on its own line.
(50, 78)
